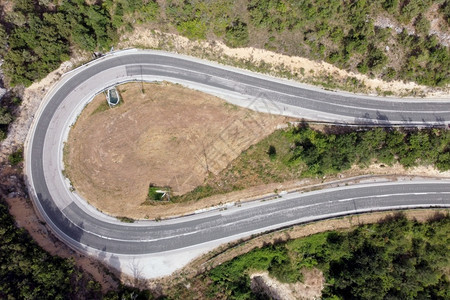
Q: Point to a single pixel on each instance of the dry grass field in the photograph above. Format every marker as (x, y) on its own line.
(163, 134)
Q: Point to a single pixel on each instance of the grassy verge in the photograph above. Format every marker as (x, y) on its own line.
(125, 219)
(103, 106)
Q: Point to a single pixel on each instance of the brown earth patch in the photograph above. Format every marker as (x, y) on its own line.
(163, 134)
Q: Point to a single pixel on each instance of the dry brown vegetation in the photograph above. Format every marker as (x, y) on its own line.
(163, 134)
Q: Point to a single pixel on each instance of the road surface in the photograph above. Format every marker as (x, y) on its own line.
(150, 249)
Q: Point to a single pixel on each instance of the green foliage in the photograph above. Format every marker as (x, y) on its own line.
(199, 192)
(341, 32)
(445, 8)
(422, 25)
(193, 29)
(428, 62)
(5, 120)
(88, 26)
(275, 15)
(412, 8)
(390, 5)
(187, 17)
(16, 157)
(272, 152)
(39, 36)
(35, 48)
(35, 38)
(153, 193)
(149, 11)
(236, 34)
(363, 68)
(41, 40)
(5, 116)
(328, 154)
(28, 272)
(303, 152)
(125, 219)
(395, 258)
(3, 40)
(233, 279)
(390, 74)
(376, 59)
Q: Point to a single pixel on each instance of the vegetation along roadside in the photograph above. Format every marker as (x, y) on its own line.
(301, 152)
(36, 36)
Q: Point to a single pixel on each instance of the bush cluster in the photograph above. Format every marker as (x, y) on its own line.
(28, 272)
(394, 259)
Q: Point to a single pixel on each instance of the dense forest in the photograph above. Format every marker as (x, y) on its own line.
(393, 259)
(36, 36)
(28, 272)
(340, 32)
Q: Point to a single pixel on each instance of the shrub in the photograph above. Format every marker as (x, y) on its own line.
(16, 157)
(236, 34)
(422, 25)
(272, 152)
(193, 29)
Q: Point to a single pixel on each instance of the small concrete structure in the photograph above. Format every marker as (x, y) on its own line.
(165, 194)
(112, 97)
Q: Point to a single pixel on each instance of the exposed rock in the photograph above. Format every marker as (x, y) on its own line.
(385, 22)
(310, 288)
(263, 284)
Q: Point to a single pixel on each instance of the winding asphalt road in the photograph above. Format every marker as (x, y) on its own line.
(156, 246)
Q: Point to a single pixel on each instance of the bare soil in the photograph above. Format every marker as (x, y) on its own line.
(167, 135)
(310, 288)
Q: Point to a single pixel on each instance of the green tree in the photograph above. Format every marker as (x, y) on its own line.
(236, 34)
(272, 152)
(422, 25)
(5, 116)
(3, 40)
